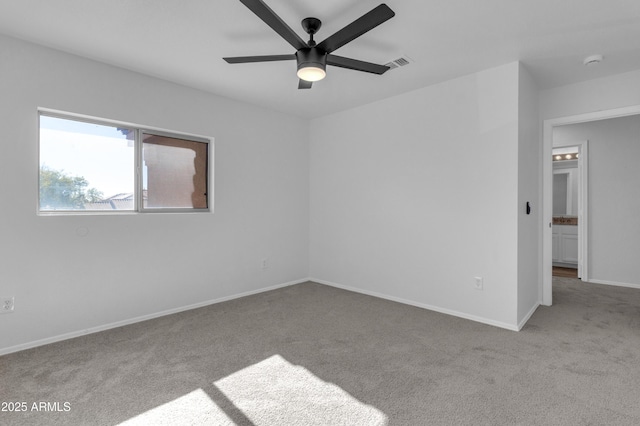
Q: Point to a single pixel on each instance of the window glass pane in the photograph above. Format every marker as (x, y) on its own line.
(85, 166)
(174, 173)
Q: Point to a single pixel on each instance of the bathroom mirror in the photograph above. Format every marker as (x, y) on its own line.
(565, 188)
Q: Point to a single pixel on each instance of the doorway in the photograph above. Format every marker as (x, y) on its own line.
(570, 222)
(547, 191)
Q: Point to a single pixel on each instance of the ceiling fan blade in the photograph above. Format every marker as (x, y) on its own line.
(358, 27)
(304, 84)
(267, 58)
(354, 64)
(270, 18)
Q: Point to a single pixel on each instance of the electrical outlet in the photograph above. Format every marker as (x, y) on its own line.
(479, 284)
(8, 304)
(264, 263)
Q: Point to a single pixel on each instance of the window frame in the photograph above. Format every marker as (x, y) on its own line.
(138, 130)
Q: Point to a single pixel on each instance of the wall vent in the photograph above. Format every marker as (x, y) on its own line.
(400, 62)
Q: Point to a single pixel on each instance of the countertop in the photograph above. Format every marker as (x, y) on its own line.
(565, 220)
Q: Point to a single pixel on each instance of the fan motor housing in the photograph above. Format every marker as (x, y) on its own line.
(311, 57)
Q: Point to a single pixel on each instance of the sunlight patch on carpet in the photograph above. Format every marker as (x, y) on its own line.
(274, 391)
(195, 408)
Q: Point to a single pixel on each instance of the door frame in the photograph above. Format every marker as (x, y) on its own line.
(547, 184)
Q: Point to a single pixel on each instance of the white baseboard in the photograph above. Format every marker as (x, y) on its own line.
(482, 320)
(566, 265)
(78, 333)
(528, 316)
(614, 283)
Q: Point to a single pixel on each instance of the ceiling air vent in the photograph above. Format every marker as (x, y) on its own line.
(400, 62)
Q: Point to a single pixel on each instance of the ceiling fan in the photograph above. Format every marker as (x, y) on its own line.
(313, 58)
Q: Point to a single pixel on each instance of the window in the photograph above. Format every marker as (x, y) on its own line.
(94, 166)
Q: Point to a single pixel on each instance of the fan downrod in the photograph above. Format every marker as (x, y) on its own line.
(311, 26)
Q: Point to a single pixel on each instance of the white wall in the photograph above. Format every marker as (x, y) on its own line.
(411, 197)
(529, 179)
(135, 265)
(414, 196)
(614, 195)
(600, 94)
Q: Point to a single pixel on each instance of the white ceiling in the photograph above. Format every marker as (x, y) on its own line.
(184, 41)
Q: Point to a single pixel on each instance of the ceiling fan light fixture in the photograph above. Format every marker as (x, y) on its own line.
(312, 73)
(311, 57)
(312, 64)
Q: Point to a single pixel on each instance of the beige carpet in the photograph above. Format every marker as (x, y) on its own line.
(311, 354)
